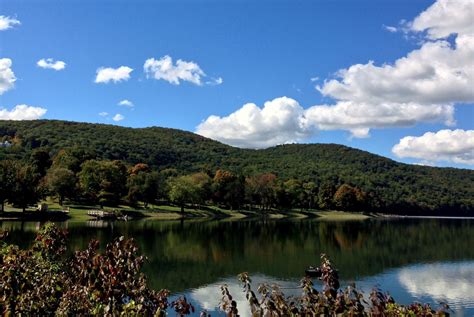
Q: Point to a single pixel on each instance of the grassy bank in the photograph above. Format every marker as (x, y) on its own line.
(169, 212)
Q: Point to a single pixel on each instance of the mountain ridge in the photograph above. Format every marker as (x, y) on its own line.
(398, 184)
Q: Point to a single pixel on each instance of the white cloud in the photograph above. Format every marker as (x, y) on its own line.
(283, 120)
(126, 103)
(22, 112)
(103, 114)
(165, 69)
(50, 63)
(446, 17)
(435, 73)
(105, 75)
(215, 81)
(359, 118)
(279, 121)
(445, 145)
(7, 77)
(7, 22)
(118, 117)
(431, 78)
(389, 28)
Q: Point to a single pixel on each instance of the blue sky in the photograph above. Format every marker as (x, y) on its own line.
(262, 50)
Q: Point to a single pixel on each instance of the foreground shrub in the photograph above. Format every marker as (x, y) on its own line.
(42, 281)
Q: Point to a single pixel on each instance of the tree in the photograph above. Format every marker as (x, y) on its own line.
(261, 189)
(61, 182)
(202, 186)
(103, 182)
(349, 198)
(311, 192)
(144, 186)
(7, 179)
(182, 190)
(326, 195)
(72, 158)
(228, 189)
(345, 198)
(40, 160)
(295, 193)
(25, 186)
(140, 167)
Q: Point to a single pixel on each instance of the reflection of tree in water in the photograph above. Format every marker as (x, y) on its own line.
(189, 254)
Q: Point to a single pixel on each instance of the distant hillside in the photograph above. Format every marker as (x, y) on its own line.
(398, 186)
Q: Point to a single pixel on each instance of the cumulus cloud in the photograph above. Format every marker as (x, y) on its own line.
(22, 112)
(445, 145)
(175, 73)
(126, 103)
(445, 17)
(103, 114)
(429, 79)
(7, 22)
(118, 117)
(279, 121)
(435, 73)
(359, 118)
(422, 86)
(106, 75)
(50, 63)
(283, 120)
(7, 77)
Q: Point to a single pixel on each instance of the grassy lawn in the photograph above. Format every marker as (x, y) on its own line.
(168, 212)
(334, 215)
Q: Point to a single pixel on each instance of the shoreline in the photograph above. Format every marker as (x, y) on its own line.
(79, 213)
(388, 216)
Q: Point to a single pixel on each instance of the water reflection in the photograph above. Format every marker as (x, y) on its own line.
(434, 283)
(207, 297)
(442, 282)
(187, 255)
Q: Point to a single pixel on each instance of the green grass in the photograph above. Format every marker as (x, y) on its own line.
(169, 212)
(334, 215)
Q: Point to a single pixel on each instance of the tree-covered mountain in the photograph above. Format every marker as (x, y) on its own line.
(393, 186)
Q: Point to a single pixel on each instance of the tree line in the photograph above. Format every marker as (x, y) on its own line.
(76, 175)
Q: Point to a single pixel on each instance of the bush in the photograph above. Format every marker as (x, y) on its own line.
(42, 281)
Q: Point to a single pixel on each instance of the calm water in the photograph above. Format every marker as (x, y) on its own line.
(426, 260)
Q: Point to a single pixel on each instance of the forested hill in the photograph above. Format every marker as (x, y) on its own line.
(397, 186)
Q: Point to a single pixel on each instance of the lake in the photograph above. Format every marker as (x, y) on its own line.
(425, 260)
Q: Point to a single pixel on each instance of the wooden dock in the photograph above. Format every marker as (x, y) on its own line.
(102, 214)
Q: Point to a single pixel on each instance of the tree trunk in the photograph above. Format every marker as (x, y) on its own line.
(3, 206)
(182, 208)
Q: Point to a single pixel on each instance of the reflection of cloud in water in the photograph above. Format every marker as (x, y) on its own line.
(449, 282)
(208, 297)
